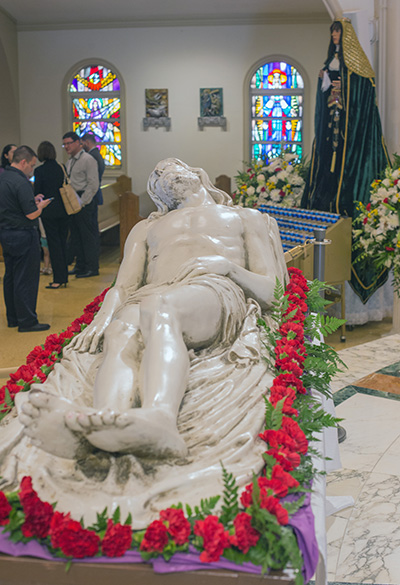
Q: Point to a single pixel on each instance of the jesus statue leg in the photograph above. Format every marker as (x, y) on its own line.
(170, 323)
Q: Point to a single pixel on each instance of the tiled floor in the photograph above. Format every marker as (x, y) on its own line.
(363, 541)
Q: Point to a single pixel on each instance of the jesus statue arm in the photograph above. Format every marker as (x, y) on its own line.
(257, 278)
(131, 276)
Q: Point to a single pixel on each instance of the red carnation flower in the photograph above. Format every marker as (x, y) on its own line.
(155, 538)
(38, 514)
(365, 220)
(52, 343)
(26, 491)
(13, 389)
(297, 314)
(289, 380)
(36, 353)
(278, 474)
(297, 276)
(5, 509)
(177, 525)
(294, 289)
(268, 501)
(37, 519)
(24, 373)
(56, 524)
(278, 439)
(292, 428)
(288, 459)
(75, 327)
(289, 366)
(245, 535)
(117, 539)
(292, 347)
(75, 541)
(273, 506)
(279, 392)
(368, 206)
(267, 488)
(86, 318)
(215, 538)
(293, 331)
(389, 249)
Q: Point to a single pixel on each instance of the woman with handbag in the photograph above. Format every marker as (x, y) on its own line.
(49, 178)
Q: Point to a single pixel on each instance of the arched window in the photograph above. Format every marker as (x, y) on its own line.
(95, 105)
(276, 106)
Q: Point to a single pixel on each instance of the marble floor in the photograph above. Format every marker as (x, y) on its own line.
(363, 541)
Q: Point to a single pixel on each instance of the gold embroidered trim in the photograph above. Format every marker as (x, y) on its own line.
(354, 57)
(345, 142)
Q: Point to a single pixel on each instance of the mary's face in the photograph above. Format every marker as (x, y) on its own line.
(336, 34)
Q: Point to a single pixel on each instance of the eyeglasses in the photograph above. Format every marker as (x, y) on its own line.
(68, 143)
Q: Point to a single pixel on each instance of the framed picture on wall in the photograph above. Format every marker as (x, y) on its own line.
(211, 108)
(211, 102)
(156, 108)
(156, 103)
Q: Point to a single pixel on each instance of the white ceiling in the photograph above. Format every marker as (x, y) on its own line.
(45, 14)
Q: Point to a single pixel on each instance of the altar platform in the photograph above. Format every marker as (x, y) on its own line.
(27, 571)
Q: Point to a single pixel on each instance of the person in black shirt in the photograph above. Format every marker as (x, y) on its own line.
(89, 144)
(19, 237)
(48, 180)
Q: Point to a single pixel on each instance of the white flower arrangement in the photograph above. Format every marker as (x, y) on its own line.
(278, 182)
(377, 227)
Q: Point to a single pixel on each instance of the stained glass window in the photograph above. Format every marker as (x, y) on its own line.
(95, 94)
(276, 102)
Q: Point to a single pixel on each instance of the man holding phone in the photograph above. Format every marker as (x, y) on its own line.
(19, 237)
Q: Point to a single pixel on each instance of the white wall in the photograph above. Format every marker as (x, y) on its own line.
(9, 103)
(392, 101)
(181, 59)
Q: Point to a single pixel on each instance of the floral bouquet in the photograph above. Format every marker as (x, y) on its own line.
(279, 182)
(377, 227)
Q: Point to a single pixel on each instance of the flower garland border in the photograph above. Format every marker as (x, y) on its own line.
(258, 534)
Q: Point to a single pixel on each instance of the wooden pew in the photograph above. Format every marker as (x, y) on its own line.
(109, 212)
(223, 182)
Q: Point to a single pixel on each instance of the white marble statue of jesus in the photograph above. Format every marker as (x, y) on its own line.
(182, 286)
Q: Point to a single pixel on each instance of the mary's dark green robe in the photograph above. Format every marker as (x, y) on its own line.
(348, 154)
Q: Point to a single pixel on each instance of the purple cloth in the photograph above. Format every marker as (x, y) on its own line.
(302, 523)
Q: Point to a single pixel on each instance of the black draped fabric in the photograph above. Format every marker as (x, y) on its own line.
(348, 154)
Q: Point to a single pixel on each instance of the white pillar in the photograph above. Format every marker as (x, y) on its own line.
(396, 314)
